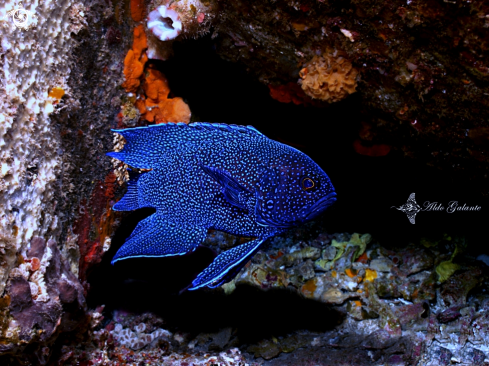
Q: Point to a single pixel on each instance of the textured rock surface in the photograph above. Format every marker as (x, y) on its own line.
(29, 143)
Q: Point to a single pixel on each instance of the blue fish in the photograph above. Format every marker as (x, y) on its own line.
(215, 176)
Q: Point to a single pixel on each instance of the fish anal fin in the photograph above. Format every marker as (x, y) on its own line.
(227, 264)
(157, 237)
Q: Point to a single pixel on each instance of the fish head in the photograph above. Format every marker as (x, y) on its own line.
(292, 190)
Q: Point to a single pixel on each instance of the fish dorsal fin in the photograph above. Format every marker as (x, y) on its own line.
(234, 192)
(146, 147)
(250, 130)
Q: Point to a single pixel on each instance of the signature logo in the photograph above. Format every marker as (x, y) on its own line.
(411, 207)
(21, 17)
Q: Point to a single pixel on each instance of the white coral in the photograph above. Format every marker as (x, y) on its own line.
(137, 339)
(164, 23)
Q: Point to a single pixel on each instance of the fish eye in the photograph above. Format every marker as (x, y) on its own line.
(307, 183)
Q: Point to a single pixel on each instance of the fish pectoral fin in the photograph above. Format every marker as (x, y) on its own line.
(157, 237)
(227, 265)
(234, 192)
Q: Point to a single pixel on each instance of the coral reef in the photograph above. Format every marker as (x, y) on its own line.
(389, 297)
(41, 298)
(395, 311)
(422, 83)
(116, 344)
(328, 77)
(47, 167)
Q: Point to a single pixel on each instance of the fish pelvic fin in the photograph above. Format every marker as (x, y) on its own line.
(156, 236)
(227, 265)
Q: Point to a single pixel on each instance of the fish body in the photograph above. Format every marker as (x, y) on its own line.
(215, 176)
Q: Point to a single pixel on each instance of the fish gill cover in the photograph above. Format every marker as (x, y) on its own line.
(215, 176)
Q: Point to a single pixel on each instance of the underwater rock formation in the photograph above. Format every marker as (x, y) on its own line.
(41, 177)
(422, 67)
(39, 295)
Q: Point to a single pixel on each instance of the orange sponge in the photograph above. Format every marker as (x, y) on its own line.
(155, 87)
(154, 105)
(157, 107)
(135, 60)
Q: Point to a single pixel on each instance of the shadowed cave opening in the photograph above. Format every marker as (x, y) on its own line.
(368, 187)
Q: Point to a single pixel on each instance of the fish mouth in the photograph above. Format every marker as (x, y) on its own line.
(319, 206)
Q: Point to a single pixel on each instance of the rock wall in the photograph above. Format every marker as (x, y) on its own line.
(40, 297)
(33, 62)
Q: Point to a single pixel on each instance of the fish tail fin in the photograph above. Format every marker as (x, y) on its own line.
(155, 236)
(117, 155)
(145, 147)
(226, 265)
(130, 200)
